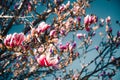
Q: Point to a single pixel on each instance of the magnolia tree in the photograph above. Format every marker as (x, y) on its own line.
(58, 50)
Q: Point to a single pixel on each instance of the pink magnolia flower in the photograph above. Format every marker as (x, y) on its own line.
(62, 8)
(108, 19)
(87, 28)
(63, 47)
(97, 48)
(19, 38)
(112, 58)
(68, 25)
(46, 60)
(80, 35)
(14, 40)
(42, 27)
(87, 19)
(72, 46)
(7, 40)
(67, 5)
(52, 33)
(41, 60)
(94, 19)
(101, 22)
(62, 31)
(76, 9)
(29, 7)
(78, 18)
(75, 76)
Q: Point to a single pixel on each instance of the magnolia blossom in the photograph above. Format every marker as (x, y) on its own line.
(46, 60)
(63, 6)
(101, 22)
(52, 33)
(62, 31)
(72, 46)
(7, 40)
(63, 47)
(29, 7)
(76, 9)
(68, 25)
(78, 18)
(14, 40)
(42, 27)
(88, 20)
(75, 76)
(112, 58)
(108, 19)
(68, 4)
(87, 28)
(80, 35)
(97, 47)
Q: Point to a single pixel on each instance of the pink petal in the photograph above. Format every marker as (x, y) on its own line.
(80, 35)
(7, 40)
(52, 32)
(62, 47)
(41, 60)
(108, 19)
(87, 28)
(90, 19)
(86, 20)
(21, 39)
(29, 7)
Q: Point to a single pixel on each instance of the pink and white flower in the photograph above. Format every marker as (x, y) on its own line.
(67, 5)
(72, 46)
(80, 35)
(62, 31)
(88, 20)
(108, 19)
(42, 27)
(64, 47)
(62, 8)
(14, 40)
(52, 33)
(46, 60)
(29, 7)
(7, 40)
